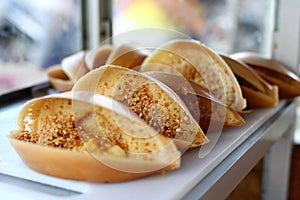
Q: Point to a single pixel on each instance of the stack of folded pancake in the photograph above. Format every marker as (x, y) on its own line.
(127, 112)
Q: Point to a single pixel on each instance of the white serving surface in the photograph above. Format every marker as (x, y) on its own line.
(172, 185)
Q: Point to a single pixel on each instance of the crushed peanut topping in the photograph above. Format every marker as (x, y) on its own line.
(143, 104)
(55, 133)
(63, 133)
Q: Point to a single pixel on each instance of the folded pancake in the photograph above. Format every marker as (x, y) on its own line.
(59, 79)
(127, 55)
(199, 64)
(273, 72)
(98, 56)
(257, 91)
(90, 137)
(210, 112)
(63, 76)
(151, 100)
(74, 65)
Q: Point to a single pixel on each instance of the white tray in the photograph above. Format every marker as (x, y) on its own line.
(172, 185)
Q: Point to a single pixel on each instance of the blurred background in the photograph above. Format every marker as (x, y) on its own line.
(43, 32)
(33, 36)
(37, 34)
(225, 25)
